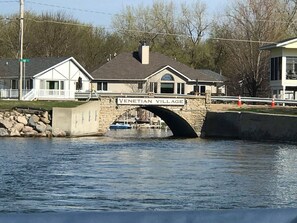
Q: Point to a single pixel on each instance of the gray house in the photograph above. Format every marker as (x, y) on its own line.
(149, 72)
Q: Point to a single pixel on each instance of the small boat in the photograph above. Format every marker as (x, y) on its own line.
(120, 126)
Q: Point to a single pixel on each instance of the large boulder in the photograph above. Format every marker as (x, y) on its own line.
(3, 132)
(22, 119)
(58, 133)
(6, 123)
(40, 127)
(45, 115)
(27, 129)
(14, 132)
(33, 120)
(30, 133)
(45, 120)
(49, 128)
(18, 126)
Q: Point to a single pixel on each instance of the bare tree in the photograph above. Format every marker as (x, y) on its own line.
(249, 25)
(194, 25)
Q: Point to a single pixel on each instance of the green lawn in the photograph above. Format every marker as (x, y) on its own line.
(287, 110)
(44, 105)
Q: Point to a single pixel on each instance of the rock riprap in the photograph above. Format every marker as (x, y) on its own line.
(21, 124)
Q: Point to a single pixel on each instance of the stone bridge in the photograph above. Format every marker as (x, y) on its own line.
(184, 115)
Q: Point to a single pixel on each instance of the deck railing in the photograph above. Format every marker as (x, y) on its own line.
(31, 94)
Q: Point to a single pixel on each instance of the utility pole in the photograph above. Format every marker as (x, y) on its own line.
(21, 48)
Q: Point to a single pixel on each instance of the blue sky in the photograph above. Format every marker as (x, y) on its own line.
(96, 12)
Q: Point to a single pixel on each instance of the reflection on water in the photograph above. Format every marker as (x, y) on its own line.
(139, 133)
(137, 170)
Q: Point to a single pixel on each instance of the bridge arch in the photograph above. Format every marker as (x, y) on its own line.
(94, 118)
(178, 125)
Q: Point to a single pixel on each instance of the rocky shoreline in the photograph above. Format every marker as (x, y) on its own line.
(20, 123)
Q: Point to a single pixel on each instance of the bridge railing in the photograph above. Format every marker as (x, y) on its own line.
(252, 100)
(222, 216)
(96, 95)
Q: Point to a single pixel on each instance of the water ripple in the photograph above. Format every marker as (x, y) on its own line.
(123, 172)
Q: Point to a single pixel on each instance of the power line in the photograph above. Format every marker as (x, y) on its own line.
(154, 33)
(112, 14)
(70, 8)
(58, 22)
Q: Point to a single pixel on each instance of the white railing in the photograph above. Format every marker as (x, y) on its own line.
(29, 96)
(54, 94)
(252, 100)
(38, 94)
(11, 93)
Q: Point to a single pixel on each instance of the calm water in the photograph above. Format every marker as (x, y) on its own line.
(122, 173)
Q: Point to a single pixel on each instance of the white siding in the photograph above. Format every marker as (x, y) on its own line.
(67, 72)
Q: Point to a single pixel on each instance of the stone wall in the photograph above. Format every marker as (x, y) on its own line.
(27, 124)
(250, 126)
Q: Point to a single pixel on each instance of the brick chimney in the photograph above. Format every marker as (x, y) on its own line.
(144, 53)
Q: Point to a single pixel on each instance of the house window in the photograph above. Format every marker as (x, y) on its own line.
(14, 84)
(167, 84)
(167, 77)
(291, 68)
(180, 88)
(154, 87)
(276, 68)
(42, 84)
(29, 84)
(167, 88)
(200, 90)
(52, 85)
(62, 85)
(102, 86)
(140, 86)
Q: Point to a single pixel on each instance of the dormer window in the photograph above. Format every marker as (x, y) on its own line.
(167, 77)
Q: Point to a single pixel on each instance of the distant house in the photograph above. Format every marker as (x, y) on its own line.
(148, 72)
(43, 78)
(283, 68)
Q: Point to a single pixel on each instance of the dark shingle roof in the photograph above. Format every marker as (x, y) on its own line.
(9, 68)
(127, 66)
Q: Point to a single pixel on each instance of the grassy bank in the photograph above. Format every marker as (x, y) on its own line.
(281, 110)
(44, 105)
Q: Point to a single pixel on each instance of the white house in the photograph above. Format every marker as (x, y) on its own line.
(44, 78)
(283, 68)
(150, 72)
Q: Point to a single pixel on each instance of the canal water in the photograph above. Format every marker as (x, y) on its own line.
(144, 170)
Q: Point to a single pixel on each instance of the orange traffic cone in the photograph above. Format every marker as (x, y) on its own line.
(239, 101)
(273, 103)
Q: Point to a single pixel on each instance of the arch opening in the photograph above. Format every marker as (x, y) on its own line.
(179, 126)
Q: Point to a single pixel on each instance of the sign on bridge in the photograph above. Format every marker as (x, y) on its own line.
(151, 101)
